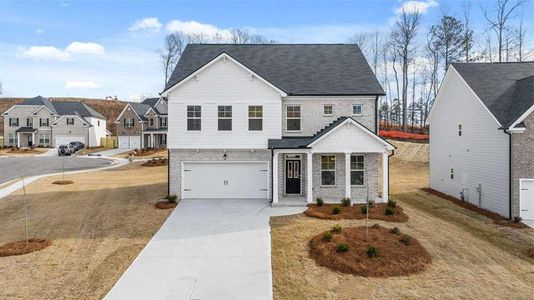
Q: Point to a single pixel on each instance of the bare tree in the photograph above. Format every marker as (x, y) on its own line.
(403, 36)
(361, 39)
(498, 18)
(198, 38)
(467, 36)
(173, 47)
(520, 32)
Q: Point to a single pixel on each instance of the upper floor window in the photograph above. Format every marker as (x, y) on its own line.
(29, 122)
(14, 122)
(224, 114)
(44, 122)
(162, 122)
(328, 110)
(357, 109)
(255, 118)
(128, 122)
(460, 130)
(194, 114)
(70, 121)
(357, 166)
(293, 118)
(151, 122)
(452, 173)
(328, 170)
(98, 123)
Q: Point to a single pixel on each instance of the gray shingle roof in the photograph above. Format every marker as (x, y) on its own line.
(75, 108)
(152, 103)
(507, 89)
(39, 100)
(297, 69)
(140, 109)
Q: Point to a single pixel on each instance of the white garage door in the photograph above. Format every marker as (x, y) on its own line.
(527, 199)
(225, 180)
(129, 142)
(66, 139)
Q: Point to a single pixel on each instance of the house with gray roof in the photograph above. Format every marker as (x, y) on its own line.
(41, 122)
(286, 123)
(143, 125)
(482, 137)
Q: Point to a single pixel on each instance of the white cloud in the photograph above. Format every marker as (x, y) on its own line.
(413, 6)
(45, 53)
(39, 31)
(81, 85)
(85, 48)
(146, 24)
(192, 27)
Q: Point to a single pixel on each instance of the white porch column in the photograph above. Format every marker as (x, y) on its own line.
(18, 139)
(33, 139)
(151, 140)
(347, 175)
(309, 177)
(385, 176)
(275, 177)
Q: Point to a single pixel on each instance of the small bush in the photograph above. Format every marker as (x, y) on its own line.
(392, 203)
(372, 251)
(371, 202)
(395, 230)
(518, 219)
(376, 226)
(390, 211)
(336, 210)
(327, 236)
(336, 229)
(319, 201)
(345, 201)
(342, 247)
(363, 209)
(171, 198)
(406, 239)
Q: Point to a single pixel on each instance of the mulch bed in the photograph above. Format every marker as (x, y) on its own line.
(393, 258)
(21, 247)
(25, 150)
(530, 252)
(376, 211)
(144, 152)
(497, 219)
(164, 204)
(156, 162)
(63, 182)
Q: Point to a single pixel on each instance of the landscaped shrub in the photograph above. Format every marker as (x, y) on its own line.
(406, 239)
(342, 247)
(392, 203)
(371, 202)
(345, 201)
(517, 219)
(327, 236)
(336, 210)
(336, 229)
(319, 201)
(171, 198)
(389, 211)
(363, 209)
(376, 226)
(395, 230)
(372, 251)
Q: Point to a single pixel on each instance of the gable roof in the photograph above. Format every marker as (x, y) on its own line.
(39, 100)
(152, 102)
(75, 108)
(506, 89)
(296, 69)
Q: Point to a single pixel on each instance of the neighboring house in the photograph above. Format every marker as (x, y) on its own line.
(482, 137)
(41, 122)
(143, 125)
(288, 123)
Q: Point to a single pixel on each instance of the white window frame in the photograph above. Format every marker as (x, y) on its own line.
(162, 122)
(13, 124)
(151, 122)
(357, 169)
(328, 170)
(253, 115)
(332, 110)
(12, 138)
(361, 109)
(29, 122)
(194, 116)
(44, 138)
(129, 122)
(226, 115)
(294, 118)
(46, 124)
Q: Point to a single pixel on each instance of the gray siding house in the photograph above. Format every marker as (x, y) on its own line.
(289, 123)
(482, 137)
(40, 122)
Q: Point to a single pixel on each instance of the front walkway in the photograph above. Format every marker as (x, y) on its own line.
(207, 249)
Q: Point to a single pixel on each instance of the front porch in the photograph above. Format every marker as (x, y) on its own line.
(154, 139)
(25, 137)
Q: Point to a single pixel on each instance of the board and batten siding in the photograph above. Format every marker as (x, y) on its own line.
(223, 83)
(479, 156)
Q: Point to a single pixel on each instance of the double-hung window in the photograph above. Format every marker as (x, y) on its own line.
(14, 122)
(194, 114)
(293, 118)
(452, 173)
(255, 118)
(328, 110)
(357, 167)
(162, 122)
(44, 138)
(357, 109)
(12, 138)
(328, 170)
(459, 129)
(29, 122)
(70, 121)
(128, 122)
(151, 122)
(44, 122)
(224, 114)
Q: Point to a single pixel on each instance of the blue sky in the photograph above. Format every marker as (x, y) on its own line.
(101, 48)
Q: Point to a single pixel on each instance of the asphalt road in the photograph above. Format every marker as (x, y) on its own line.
(15, 167)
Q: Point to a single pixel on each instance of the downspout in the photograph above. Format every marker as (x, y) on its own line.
(509, 173)
(272, 188)
(168, 171)
(376, 115)
(389, 175)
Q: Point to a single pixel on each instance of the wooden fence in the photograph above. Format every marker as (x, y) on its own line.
(1, 141)
(109, 142)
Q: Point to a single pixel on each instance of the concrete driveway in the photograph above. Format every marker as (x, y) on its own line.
(14, 167)
(207, 249)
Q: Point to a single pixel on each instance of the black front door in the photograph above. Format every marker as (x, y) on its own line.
(30, 141)
(293, 176)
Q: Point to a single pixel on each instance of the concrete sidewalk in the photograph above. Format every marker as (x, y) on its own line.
(207, 249)
(108, 153)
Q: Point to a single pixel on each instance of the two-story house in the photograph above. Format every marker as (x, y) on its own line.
(143, 125)
(289, 123)
(482, 137)
(40, 122)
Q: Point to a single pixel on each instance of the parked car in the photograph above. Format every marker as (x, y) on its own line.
(65, 150)
(77, 145)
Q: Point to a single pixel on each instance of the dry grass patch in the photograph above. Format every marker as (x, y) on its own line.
(376, 212)
(382, 254)
(23, 246)
(22, 151)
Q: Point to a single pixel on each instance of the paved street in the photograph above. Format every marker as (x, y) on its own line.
(15, 167)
